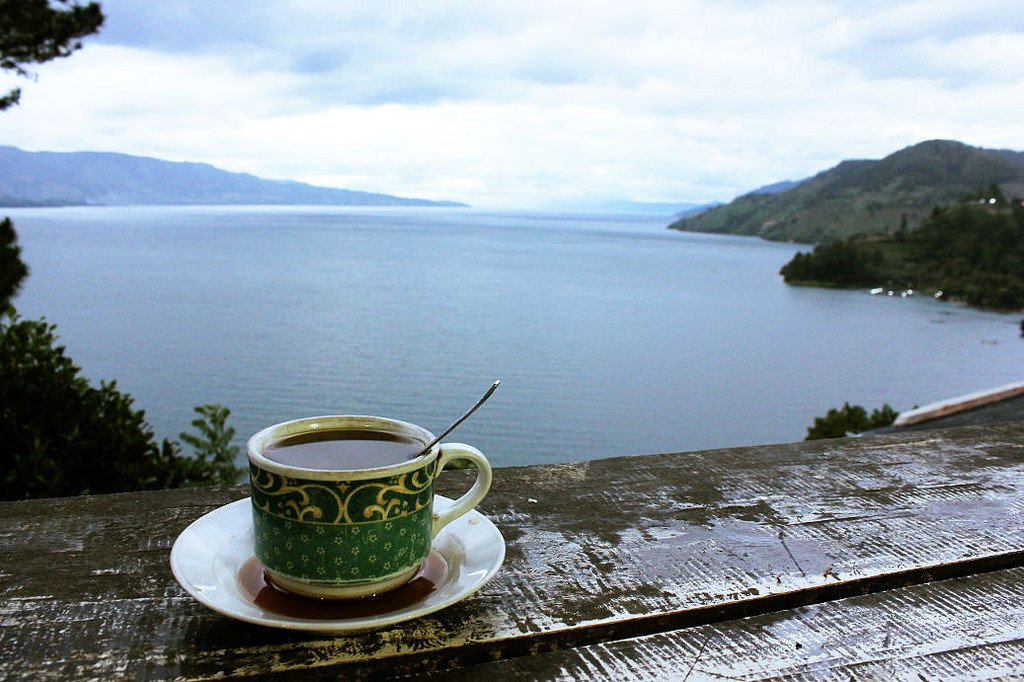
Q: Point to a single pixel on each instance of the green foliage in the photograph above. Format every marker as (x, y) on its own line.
(58, 434)
(866, 197)
(840, 263)
(61, 436)
(34, 32)
(970, 251)
(850, 419)
(213, 454)
(12, 270)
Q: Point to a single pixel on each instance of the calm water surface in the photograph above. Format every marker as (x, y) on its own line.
(611, 334)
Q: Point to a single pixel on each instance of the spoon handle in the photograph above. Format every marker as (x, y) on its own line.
(463, 418)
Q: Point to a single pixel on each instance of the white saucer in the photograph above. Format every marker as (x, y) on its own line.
(207, 556)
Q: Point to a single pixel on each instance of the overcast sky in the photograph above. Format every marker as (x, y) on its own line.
(527, 103)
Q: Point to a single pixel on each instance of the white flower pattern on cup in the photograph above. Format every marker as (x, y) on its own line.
(348, 552)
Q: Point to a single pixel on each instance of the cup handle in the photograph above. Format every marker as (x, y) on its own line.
(472, 497)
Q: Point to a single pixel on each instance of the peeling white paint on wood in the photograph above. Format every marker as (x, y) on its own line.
(949, 406)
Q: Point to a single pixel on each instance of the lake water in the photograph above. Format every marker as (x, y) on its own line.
(612, 335)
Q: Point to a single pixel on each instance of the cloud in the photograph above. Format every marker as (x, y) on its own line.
(187, 27)
(532, 102)
(956, 43)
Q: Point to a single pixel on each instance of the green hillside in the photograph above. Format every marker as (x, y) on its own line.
(972, 251)
(867, 196)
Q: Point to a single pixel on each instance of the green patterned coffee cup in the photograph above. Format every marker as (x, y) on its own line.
(347, 534)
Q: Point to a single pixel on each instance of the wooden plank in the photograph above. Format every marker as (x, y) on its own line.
(964, 628)
(944, 408)
(597, 551)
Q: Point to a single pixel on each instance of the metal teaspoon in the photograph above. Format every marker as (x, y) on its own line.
(461, 419)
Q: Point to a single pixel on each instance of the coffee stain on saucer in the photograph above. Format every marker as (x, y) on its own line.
(257, 587)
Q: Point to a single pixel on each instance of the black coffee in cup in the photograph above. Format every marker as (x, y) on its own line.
(343, 449)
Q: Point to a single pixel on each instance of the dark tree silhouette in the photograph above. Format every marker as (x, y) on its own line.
(59, 435)
(34, 31)
(12, 269)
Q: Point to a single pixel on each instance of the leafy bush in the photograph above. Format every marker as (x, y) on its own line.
(61, 436)
(213, 455)
(851, 419)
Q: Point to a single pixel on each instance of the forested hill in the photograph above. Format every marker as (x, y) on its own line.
(108, 179)
(867, 196)
(972, 251)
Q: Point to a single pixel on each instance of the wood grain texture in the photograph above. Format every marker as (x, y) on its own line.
(962, 628)
(600, 552)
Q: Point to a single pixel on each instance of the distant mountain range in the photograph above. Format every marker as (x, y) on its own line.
(866, 196)
(626, 207)
(108, 179)
(776, 187)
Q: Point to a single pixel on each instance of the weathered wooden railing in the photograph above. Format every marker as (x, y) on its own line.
(898, 555)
